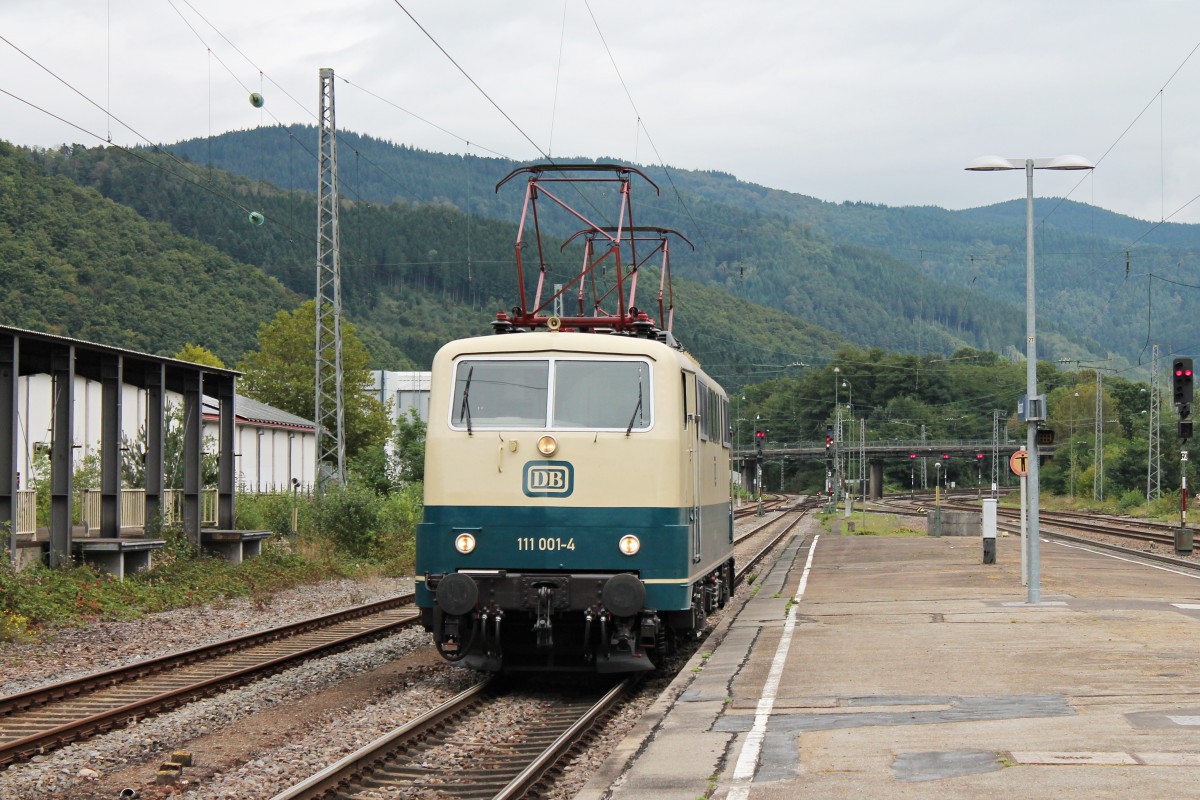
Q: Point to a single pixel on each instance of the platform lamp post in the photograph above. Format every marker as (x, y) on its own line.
(850, 414)
(1034, 406)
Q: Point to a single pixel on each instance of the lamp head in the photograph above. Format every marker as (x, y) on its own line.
(1065, 162)
(994, 163)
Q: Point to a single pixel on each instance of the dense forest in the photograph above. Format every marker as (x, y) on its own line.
(914, 279)
(760, 245)
(409, 281)
(906, 398)
(77, 264)
(151, 251)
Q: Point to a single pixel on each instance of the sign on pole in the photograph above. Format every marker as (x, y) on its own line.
(1018, 462)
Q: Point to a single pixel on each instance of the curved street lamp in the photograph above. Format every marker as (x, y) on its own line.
(1034, 407)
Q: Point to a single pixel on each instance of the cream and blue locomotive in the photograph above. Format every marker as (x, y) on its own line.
(577, 501)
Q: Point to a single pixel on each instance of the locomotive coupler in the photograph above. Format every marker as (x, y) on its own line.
(542, 626)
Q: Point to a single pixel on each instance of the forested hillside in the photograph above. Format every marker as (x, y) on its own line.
(74, 263)
(413, 276)
(765, 246)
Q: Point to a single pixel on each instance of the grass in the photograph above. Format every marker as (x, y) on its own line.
(872, 525)
(38, 599)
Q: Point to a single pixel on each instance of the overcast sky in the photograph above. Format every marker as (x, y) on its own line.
(864, 100)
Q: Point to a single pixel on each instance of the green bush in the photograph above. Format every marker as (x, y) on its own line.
(1130, 500)
(399, 514)
(350, 532)
(266, 512)
(349, 517)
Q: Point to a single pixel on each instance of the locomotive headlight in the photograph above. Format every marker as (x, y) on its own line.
(464, 543)
(629, 544)
(547, 445)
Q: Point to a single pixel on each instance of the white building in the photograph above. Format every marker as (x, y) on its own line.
(403, 390)
(272, 447)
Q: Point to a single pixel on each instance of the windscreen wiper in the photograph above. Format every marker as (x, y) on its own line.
(464, 410)
(638, 407)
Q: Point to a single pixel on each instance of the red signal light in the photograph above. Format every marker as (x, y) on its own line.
(912, 455)
(945, 457)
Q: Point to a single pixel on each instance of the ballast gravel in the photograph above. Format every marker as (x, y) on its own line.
(79, 770)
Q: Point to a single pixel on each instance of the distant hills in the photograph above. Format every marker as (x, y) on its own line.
(911, 279)
(150, 250)
(165, 254)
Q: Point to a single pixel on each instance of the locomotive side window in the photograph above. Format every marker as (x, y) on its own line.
(726, 430)
(495, 392)
(683, 387)
(602, 394)
(702, 410)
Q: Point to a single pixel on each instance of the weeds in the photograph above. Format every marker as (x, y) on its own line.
(355, 535)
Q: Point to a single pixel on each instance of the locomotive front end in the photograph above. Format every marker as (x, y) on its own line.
(557, 534)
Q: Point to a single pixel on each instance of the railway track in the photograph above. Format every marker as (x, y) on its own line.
(39, 720)
(770, 503)
(784, 525)
(1068, 523)
(442, 754)
(437, 754)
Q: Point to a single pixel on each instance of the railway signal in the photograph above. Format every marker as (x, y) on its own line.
(760, 438)
(1181, 381)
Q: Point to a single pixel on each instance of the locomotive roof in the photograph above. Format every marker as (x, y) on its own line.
(548, 342)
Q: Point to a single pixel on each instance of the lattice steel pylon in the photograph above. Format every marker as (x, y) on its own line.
(1154, 458)
(330, 410)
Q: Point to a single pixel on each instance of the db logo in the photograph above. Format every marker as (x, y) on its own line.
(548, 479)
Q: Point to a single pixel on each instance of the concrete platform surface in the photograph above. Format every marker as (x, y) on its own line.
(905, 668)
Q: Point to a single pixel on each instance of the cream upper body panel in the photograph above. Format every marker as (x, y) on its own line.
(609, 468)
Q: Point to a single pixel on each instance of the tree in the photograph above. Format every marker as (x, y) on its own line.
(199, 354)
(282, 373)
(133, 454)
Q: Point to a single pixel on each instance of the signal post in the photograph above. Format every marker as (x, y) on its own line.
(1181, 386)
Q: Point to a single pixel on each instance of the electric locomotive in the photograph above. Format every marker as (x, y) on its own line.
(577, 484)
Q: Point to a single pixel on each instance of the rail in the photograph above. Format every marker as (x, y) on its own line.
(38, 720)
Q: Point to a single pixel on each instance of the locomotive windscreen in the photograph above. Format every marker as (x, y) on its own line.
(592, 394)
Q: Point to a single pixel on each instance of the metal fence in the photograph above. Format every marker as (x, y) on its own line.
(133, 509)
(26, 512)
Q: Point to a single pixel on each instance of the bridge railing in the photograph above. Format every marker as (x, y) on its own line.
(927, 448)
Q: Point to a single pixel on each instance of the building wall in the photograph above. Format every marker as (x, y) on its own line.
(269, 458)
(403, 390)
(266, 457)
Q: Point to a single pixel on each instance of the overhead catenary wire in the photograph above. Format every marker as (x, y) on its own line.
(670, 178)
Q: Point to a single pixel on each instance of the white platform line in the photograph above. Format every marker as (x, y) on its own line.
(747, 762)
(1087, 549)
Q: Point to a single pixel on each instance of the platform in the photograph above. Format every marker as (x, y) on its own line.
(234, 546)
(117, 557)
(908, 669)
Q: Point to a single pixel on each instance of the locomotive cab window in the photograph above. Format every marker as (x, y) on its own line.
(560, 393)
(490, 393)
(602, 394)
